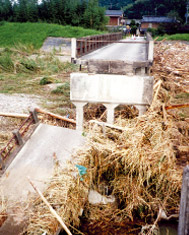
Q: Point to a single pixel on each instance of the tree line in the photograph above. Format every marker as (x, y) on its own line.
(135, 9)
(86, 13)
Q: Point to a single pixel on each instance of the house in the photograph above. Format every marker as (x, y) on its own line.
(128, 21)
(115, 17)
(154, 22)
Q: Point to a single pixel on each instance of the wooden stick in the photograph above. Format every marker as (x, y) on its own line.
(14, 115)
(174, 106)
(18, 115)
(158, 85)
(109, 125)
(50, 208)
(55, 116)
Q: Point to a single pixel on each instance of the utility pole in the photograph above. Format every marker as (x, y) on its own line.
(187, 12)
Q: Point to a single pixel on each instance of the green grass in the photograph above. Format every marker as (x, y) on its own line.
(181, 37)
(21, 73)
(34, 34)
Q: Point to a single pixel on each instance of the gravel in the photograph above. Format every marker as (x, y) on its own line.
(18, 103)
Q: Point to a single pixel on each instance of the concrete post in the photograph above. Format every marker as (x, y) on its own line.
(18, 137)
(151, 51)
(143, 70)
(79, 115)
(183, 227)
(110, 112)
(73, 48)
(34, 115)
(2, 165)
(141, 109)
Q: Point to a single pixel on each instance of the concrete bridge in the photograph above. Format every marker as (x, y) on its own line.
(118, 73)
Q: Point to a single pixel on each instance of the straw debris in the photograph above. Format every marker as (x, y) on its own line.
(140, 163)
(66, 194)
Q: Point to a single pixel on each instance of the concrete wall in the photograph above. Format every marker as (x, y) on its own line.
(117, 67)
(110, 90)
(58, 45)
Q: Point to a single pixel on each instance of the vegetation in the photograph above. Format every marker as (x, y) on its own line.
(182, 37)
(33, 34)
(115, 4)
(135, 9)
(86, 13)
(22, 72)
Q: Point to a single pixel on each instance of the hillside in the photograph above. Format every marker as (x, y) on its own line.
(33, 34)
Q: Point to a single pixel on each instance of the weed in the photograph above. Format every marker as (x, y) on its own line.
(45, 80)
(64, 89)
(29, 65)
(6, 63)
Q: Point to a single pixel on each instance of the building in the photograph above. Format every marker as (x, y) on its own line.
(115, 17)
(155, 21)
(128, 21)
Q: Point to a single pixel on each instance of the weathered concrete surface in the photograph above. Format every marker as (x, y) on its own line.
(59, 45)
(121, 51)
(36, 160)
(110, 90)
(106, 88)
(117, 67)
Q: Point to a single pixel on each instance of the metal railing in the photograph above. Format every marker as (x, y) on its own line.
(88, 44)
(17, 138)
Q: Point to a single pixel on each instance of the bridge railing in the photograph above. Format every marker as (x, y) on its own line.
(16, 139)
(18, 135)
(85, 45)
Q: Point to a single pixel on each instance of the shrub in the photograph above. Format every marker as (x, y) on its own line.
(45, 80)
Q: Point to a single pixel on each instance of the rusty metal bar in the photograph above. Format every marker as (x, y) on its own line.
(114, 41)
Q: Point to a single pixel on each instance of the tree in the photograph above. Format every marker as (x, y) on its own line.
(6, 11)
(94, 16)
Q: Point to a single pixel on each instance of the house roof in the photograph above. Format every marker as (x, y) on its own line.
(157, 19)
(114, 13)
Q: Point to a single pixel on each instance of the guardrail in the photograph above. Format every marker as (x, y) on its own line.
(19, 134)
(16, 139)
(85, 45)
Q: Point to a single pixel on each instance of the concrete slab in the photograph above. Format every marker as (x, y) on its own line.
(36, 160)
(121, 51)
(111, 91)
(59, 44)
(107, 88)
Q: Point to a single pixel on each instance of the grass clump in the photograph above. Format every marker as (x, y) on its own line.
(45, 80)
(63, 89)
(6, 63)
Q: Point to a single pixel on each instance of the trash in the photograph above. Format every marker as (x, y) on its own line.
(82, 171)
(96, 198)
